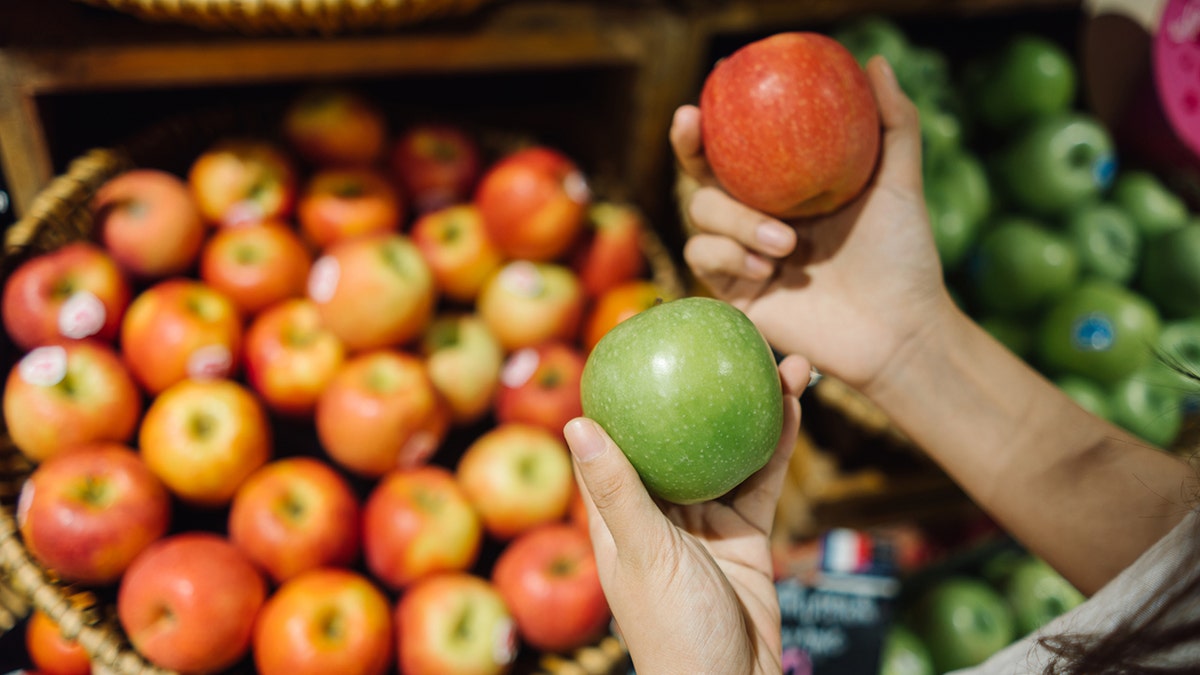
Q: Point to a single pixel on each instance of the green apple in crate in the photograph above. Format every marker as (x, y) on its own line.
(904, 653)
(870, 35)
(1149, 404)
(1021, 265)
(1155, 209)
(1179, 351)
(963, 621)
(1037, 594)
(1028, 78)
(1170, 272)
(1099, 329)
(958, 197)
(1056, 163)
(1107, 240)
(1088, 393)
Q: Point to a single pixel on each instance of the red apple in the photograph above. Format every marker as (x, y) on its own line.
(454, 624)
(540, 386)
(290, 357)
(437, 164)
(617, 304)
(357, 277)
(533, 203)
(256, 266)
(180, 328)
(343, 203)
(790, 125)
(464, 360)
(456, 246)
(518, 476)
(74, 292)
(333, 126)
(611, 251)
(85, 514)
(203, 438)
(381, 412)
(548, 578)
(417, 522)
(325, 621)
(52, 652)
(59, 396)
(527, 303)
(293, 515)
(189, 602)
(241, 180)
(148, 221)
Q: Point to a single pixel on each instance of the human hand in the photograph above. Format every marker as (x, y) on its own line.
(848, 290)
(691, 587)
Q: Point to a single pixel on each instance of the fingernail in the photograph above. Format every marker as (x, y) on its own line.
(757, 268)
(774, 237)
(583, 440)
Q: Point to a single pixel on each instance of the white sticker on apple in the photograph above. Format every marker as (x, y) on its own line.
(323, 279)
(243, 213)
(504, 642)
(44, 366)
(521, 366)
(417, 450)
(576, 187)
(81, 316)
(523, 278)
(210, 362)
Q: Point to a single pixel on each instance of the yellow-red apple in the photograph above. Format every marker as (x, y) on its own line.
(293, 515)
(237, 181)
(527, 303)
(335, 126)
(59, 396)
(189, 602)
(289, 357)
(51, 651)
(540, 386)
(454, 624)
(456, 246)
(617, 304)
(180, 328)
(464, 361)
(342, 203)
(437, 164)
(611, 250)
(149, 222)
(203, 438)
(256, 266)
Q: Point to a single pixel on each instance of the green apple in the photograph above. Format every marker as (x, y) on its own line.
(963, 621)
(960, 170)
(1179, 354)
(1037, 593)
(1108, 241)
(1099, 329)
(1021, 264)
(1154, 208)
(903, 653)
(1170, 271)
(1148, 404)
(1028, 78)
(941, 129)
(690, 391)
(924, 72)
(955, 228)
(869, 35)
(1088, 393)
(1012, 332)
(1056, 163)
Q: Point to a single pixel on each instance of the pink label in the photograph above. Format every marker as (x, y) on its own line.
(523, 278)
(243, 213)
(81, 316)
(44, 366)
(521, 366)
(504, 642)
(576, 187)
(1177, 69)
(323, 279)
(210, 362)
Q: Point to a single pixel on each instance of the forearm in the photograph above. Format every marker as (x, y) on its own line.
(1080, 492)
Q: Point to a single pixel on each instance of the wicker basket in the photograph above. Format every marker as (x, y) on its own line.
(60, 214)
(262, 17)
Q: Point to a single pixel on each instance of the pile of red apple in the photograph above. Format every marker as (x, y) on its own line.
(354, 351)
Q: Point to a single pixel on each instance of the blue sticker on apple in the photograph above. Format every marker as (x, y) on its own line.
(1093, 333)
(1104, 170)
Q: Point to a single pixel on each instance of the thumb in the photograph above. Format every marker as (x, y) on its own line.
(901, 127)
(613, 492)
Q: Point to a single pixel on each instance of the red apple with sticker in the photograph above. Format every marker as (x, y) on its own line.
(790, 125)
(189, 602)
(60, 396)
(418, 522)
(455, 624)
(325, 621)
(527, 303)
(204, 438)
(456, 246)
(256, 266)
(533, 203)
(335, 126)
(149, 223)
(289, 357)
(85, 514)
(437, 164)
(548, 578)
(51, 651)
(464, 361)
(540, 386)
(181, 328)
(293, 515)
(337, 204)
(354, 278)
(518, 476)
(74, 292)
(239, 181)
(611, 251)
(381, 412)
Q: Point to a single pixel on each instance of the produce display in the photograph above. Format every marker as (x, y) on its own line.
(1085, 267)
(299, 409)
